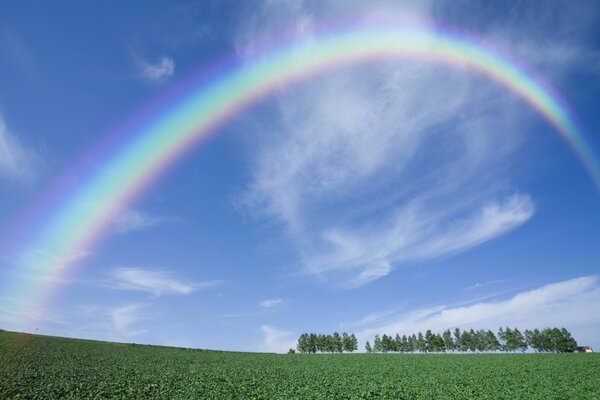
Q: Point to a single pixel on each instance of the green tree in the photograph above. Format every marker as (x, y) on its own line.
(302, 345)
(346, 344)
(377, 348)
(448, 342)
(353, 342)
(412, 343)
(519, 340)
(492, 343)
(312, 343)
(337, 344)
(465, 341)
(457, 344)
(567, 344)
(368, 348)
(321, 343)
(405, 344)
(429, 343)
(421, 344)
(503, 338)
(440, 345)
(480, 340)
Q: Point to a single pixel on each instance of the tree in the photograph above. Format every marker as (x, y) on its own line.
(398, 343)
(519, 340)
(421, 344)
(349, 342)
(503, 338)
(429, 344)
(291, 351)
(512, 339)
(368, 348)
(354, 342)
(387, 344)
(302, 345)
(377, 344)
(405, 345)
(439, 343)
(492, 343)
(480, 340)
(457, 344)
(465, 341)
(567, 343)
(312, 343)
(412, 343)
(337, 344)
(448, 342)
(346, 345)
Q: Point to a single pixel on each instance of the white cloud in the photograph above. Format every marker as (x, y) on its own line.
(276, 340)
(41, 265)
(19, 317)
(16, 161)
(120, 323)
(136, 220)
(156, 282)
(372, 166)
(124, 318)
(478, 285)
(269, 303)
(159, 71)
(573, 303)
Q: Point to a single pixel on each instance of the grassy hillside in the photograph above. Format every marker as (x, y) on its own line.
(47, 367)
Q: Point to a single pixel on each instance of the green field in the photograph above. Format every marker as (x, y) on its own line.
(40, 367)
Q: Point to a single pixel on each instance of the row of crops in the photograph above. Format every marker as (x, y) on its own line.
(38, 367)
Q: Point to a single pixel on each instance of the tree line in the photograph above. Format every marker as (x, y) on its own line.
(509, 340)
(320, 343)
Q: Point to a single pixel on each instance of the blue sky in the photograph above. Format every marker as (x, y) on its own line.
(379, 198)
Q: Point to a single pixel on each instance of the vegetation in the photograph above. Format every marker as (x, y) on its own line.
(320, 343)
(553, 340)
(38, 367)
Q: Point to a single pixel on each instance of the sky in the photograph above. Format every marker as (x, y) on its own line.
(384, 196)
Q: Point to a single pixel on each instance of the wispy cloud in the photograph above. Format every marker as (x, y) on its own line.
(269, 303)
(347, 170)
(572, 303)
(137, 220)
(157, 72)
(16, 316)
(478, 285)
(124, 318)
(16, 160)
(276, 340)
(414, 235)
(156, 282)
(120, 323)
(43, 265)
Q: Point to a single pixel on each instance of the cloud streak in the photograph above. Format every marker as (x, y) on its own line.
(414, 235)
(156, 282)
(270, 303)
(136, 220)
(157, 72)
(16, 161)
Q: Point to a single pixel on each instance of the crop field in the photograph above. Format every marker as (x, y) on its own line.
(40, 367)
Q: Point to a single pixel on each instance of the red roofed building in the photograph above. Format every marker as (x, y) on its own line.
(584, 349)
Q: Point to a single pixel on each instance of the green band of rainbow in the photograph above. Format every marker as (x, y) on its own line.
(86, 213)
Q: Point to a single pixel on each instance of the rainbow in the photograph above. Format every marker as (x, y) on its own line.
(194, 113)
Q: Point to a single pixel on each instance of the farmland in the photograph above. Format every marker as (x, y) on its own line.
(48, 367)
